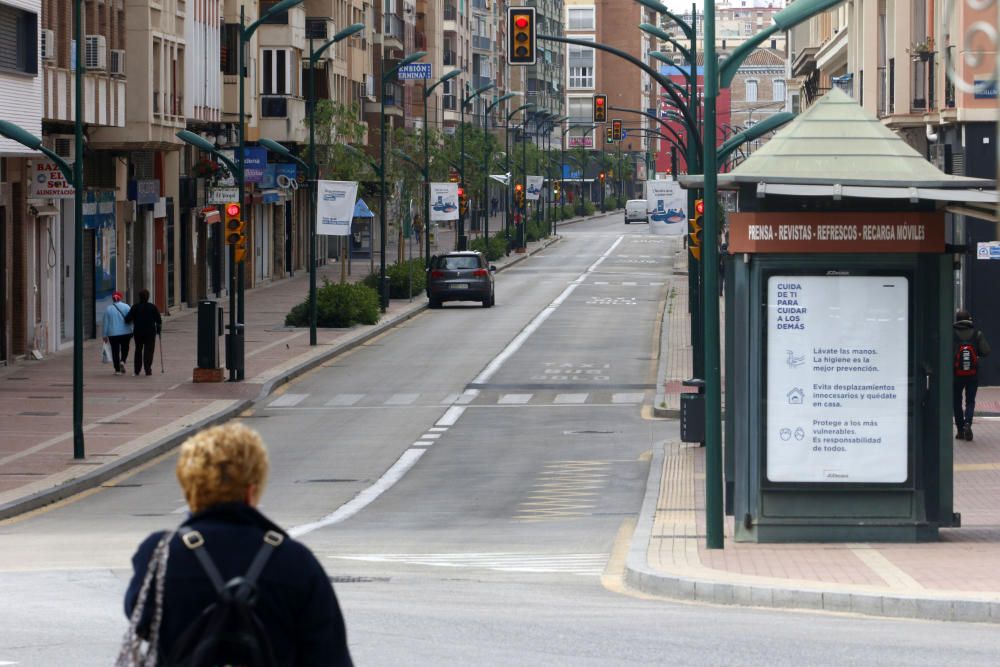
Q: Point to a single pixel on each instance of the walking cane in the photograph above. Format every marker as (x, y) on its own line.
(160, 337)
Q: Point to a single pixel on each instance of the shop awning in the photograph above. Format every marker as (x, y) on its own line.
(361, 210)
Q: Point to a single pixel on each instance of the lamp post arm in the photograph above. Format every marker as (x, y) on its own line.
(666, 37)
(346, 32)
(662, 122)
(753, 132)
(679, 103)
(279, 8)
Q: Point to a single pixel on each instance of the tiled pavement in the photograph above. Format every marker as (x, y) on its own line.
(956, 578)
(130, 419)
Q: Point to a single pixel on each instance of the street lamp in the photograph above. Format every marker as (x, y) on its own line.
(548, 166)
(313, 169)
(73, 175)
(383, 284)
(486, 159)
(466, 101)
(427, 167)
(506, 200)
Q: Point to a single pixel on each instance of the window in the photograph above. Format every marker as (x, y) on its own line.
(748, 28)
(751, 95)
(778, 90)
(275, 76)
(580, 18)
(229, 48)
(18, 40)
(581, 65)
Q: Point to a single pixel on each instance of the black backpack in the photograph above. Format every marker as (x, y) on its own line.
(228, 631)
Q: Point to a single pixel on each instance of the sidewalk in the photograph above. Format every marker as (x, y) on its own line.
(957, 578)
(129, 420)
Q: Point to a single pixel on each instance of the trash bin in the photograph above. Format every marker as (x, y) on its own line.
(209, 330)
(693, 412)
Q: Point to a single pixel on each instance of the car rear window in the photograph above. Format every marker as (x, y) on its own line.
(460, 262)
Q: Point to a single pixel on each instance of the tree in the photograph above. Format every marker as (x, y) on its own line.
(337, 124)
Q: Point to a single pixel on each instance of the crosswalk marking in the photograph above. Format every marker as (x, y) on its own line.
(344, 400)
(430, 436)
(449, 399)
(423, 443)
(630, 284)
(514, 399)
(401, 399)
(288, 400)
(570, 398)
(627, 398)
(577, 564)
(437, 429)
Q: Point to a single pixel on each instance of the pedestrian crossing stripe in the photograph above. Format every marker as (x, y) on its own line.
(572, 563)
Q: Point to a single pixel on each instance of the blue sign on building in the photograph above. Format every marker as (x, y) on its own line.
(985, 89)
(414, 72)
(275, 169)
(254, 162)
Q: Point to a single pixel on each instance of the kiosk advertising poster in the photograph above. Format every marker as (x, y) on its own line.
(534, 190)
(666, 205)
(837, 379)
(444, 201)
(335, 208)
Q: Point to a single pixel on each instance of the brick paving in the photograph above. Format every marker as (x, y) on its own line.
(962, 566)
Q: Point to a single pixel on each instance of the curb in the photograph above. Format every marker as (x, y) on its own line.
(110, 470)
(639, 576)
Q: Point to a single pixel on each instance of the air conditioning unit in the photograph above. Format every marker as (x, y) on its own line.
(118, 62)
(48, 45)
(96, 52)
(64, 145)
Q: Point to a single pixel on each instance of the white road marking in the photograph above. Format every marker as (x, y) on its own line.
(514, 399)
(657, 284)
(628, 398)
(601, 282)
(288, 400)
(449, 399)
(408, 459)
(468, 396)
(437, 429)
(519, 340)
(451, 415)
(579, 564)
(430, 436)
(401, 399)
(629, 284)
(423, 443)
(571, 398)
(344, 400)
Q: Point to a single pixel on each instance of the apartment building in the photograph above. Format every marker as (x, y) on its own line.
(927, 70)
(22, 234)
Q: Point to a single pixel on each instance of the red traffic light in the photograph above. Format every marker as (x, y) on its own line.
(602, 175)
(518, 187)
(232, 210)
(461, 192)
(599, 101)
(699, 207)
(521, 21)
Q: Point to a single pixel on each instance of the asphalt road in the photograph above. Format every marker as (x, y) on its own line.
(469, 480)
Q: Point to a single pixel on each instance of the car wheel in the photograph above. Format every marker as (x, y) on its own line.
(487, 302)
(627, 221)
(434, 303)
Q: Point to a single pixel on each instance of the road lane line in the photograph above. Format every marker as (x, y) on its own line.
(514, 399)
(451, 416)
(519, 340)
(430, 436)
(288, 400)
(395, 473)
(423, 443)
(402, 399)
(562, 399)
(437, 429)
(344, 400)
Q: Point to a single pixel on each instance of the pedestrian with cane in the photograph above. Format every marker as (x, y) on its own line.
(146, 325)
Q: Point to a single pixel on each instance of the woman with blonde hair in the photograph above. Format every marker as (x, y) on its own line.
(228, 554)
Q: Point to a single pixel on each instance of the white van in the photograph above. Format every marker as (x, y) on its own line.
(635, 211)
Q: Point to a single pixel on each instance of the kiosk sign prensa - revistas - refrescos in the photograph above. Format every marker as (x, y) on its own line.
(837, 379)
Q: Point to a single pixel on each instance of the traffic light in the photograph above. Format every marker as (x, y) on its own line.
(611, 138)
(600, 108)
(234, 225)
(519, 194)
(616, 129)
(601, 176)
(695, 233)
(521, 35)
(463, 201)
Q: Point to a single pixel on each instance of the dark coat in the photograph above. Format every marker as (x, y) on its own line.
(145, 320)
(296, 602)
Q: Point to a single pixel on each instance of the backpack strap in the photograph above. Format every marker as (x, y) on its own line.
(194, 540)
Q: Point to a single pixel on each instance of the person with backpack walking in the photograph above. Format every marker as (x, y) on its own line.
(230, 587)
(146, 324)
(970, 345)
(117, 333)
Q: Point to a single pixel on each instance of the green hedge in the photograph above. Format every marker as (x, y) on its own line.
(338, 305)
(400, 275)
(584, 207)
(536, 230)
(493, 249)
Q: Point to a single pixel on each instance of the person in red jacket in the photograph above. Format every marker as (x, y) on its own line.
(970, 345)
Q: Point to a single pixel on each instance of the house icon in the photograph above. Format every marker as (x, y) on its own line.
(796, 396)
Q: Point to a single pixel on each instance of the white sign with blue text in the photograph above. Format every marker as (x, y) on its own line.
(335, 207)
(444, 201)
(666, 206)
(837, 379)
(534, 191)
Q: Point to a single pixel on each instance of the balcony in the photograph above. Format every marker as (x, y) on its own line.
(482, 43)
(450, 14)
(282, 118)
(392, 33)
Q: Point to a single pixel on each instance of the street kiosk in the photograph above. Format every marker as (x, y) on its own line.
(839, 309)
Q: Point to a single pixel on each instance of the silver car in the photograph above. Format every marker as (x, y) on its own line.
(460, 276)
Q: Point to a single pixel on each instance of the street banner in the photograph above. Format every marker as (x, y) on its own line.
(444, 201)
(534, 187)
(335, 207)
(666, 205)
(47, 181)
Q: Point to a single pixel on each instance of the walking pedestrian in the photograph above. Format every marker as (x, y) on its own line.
(493, 206)
(295, 618)
(970, 345)
(116, 331)
(146, 325)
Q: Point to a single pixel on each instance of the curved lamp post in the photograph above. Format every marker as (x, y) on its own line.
(506, 201)
(427, 166)
(383, 286)
(313, 169)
